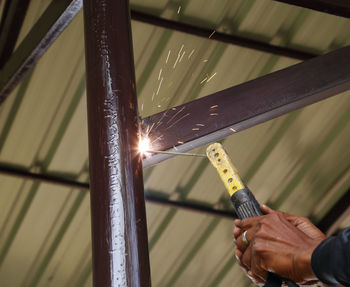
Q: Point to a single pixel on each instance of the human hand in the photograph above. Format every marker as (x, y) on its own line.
(279, 243)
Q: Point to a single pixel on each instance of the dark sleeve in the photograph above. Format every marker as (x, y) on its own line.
(330, 261)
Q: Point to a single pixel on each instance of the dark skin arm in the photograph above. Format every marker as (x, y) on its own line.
(279, 243)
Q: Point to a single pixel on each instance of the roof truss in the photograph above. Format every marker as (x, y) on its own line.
(335, 7)
(329, 223)
(222, 113)
(58, 15)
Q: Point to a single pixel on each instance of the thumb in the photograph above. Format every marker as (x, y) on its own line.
(265, 209)
(295, 220)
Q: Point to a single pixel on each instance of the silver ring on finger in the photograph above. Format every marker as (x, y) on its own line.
(244, 238)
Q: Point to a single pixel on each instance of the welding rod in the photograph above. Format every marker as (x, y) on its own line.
(175, 153)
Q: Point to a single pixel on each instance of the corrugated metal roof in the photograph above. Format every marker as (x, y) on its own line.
(298, 162)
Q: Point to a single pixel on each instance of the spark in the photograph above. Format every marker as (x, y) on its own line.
(178, 10)
(160, 83)
(159, 106)
(204, 80)
(212, 34)
(190, 55)
(149, 129)
(180, 142)
(200, 125)
(160, 120)
(214, 114)
(174, 109)
(167, 58)
(178, 120)
(206, 60)
(195, 129)
(233, 130)
(178, 55)
(157, 139)
(177, 59)
(144, 144)
(213, 107)
(175, 114)
(211, 77)
(166, 99)
(182, 46)
(182, 56)
(160, 73)
(175, 148)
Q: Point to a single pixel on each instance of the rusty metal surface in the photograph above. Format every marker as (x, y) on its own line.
(119, 230)
(226, 112)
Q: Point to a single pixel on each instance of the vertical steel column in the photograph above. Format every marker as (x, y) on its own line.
(119, 231)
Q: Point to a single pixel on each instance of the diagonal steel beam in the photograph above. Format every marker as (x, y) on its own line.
(10, 26)
(335, 7)
(60, 13)
(221, 114)
(46, 30)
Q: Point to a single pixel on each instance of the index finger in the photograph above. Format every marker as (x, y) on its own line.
(248, 223)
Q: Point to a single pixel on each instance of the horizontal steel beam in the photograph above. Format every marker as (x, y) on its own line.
(335, 7)
(20, 172)
(150, 195)
(337, 211)
(188, 205)
(221, 114)
(45, 31)
(221, 37)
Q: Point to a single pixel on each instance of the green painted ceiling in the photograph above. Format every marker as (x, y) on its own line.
(298, 162)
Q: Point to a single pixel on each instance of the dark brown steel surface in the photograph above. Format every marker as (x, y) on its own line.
(221, 37)
(49, 26)
(119, 230)
(243, 106)
(335, 7)
(11, 22)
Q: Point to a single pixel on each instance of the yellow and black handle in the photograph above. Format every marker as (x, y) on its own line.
(242, 198)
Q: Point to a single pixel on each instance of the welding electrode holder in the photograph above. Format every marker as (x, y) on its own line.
(242, 198)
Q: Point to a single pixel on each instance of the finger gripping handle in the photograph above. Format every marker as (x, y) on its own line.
(247, 206)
